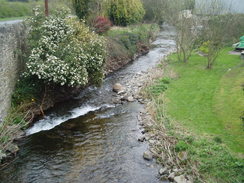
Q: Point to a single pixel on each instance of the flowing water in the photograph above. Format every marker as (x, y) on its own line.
(90, 139)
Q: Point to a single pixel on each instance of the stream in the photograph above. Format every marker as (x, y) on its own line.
(91, 139)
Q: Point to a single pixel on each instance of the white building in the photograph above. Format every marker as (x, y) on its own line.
(219, 6)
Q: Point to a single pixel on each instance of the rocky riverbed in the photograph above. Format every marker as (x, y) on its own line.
(152, 133)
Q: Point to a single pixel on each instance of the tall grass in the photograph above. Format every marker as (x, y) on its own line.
(10, 128)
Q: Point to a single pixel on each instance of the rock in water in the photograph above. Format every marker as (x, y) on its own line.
(141, 139)
(180, 179)
(118, 88)
(13, 149)
(2, 155)
(171, 176)
(147, 156)
(130, 99)
(162, 171)
(152, 142)
(127, 98)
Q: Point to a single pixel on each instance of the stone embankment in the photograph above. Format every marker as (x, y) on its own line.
(12, 42)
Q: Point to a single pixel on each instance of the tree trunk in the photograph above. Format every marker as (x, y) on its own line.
(184, 55)
(209, 66)
(46, 8)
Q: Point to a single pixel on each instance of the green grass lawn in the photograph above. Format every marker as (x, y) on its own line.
(209, 102)
(13, 18)
(12, 10)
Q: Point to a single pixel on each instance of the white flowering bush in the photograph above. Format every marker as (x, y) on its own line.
(64, 51)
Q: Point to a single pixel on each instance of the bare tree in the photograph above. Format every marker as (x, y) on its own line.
(217, 24)
(186, 28)
(186, 36)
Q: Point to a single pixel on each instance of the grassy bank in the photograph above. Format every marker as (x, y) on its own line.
(201, 109)
(13, 18)
(209, 102)
(126, 42)
(16, 9)
(132, 37)
(19, 10)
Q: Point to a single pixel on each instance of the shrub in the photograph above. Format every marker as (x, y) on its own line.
(27, 89)
(125, 12)
(132, 37)
(64, 51)
(181, 146)
(204, 48)
(218, 140)
(101, 24)
(81, 8)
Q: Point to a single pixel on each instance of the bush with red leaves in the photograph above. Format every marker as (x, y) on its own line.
(101, 24)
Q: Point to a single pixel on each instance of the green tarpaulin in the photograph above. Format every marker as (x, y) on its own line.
(241, 44)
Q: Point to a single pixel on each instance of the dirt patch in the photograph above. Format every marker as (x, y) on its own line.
(235, 53)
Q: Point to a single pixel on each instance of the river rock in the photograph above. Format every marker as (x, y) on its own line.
(180, 179)
(20, 135)
(164, 178)
(144, 131)
(13, 148)
(152, 142)
(2, 155)
(141, 101)
(175, 170)
(118, 88)
(189, 179)
(147, 137)
(130, 99)
(147, 155)
(116, 101)
(163, 171)
(171, 176)
(183, 156)
(141, 139)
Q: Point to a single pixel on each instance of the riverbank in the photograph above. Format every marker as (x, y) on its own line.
(188, 152)
(31, 100)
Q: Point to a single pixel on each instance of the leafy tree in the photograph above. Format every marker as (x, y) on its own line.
(155, 10)
(125, 12)
(213, 36)
(81, 8)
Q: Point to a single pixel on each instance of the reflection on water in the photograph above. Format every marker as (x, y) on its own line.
(89, 139)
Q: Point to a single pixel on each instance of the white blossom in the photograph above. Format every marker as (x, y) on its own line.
(67, 53)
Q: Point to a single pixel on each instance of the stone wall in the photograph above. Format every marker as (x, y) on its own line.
(12, 43)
